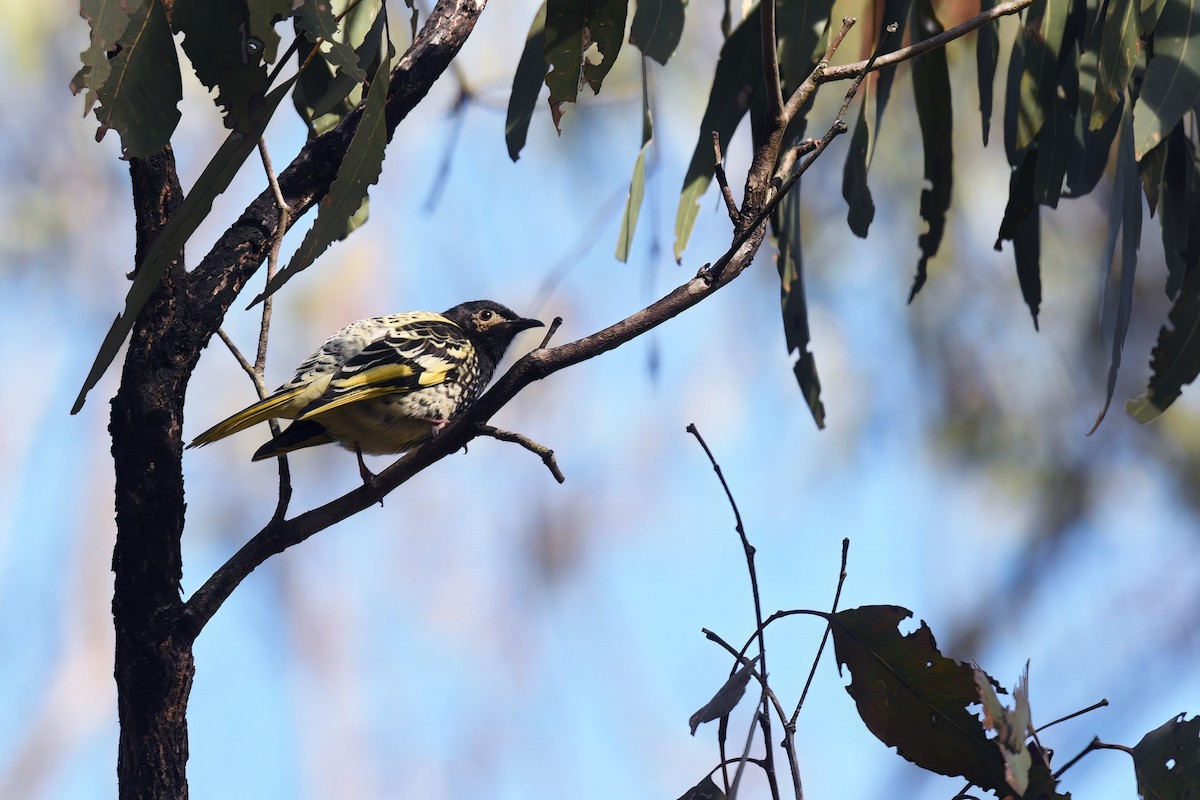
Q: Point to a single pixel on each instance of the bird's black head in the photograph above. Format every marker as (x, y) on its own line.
(490, 325)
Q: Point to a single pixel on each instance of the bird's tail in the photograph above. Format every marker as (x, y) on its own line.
(304, 433)
(275, 406)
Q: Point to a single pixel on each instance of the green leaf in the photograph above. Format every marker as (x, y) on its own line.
(108, 19)
(215, 179)
(737, 80)
(913, 698)
(1171, 85)
(314, 18)
(657, 27)
(1151, 12)
(1089, 148)
(527, 85)
(263, 14)
(1119, 51)
(1175, 361)
(854, 179)
(1150, 171)
(143, 89)
(1167, 760)
(931, 86)
(1124, 216)
(323, 98)
(1022, 226)
(573, 27)
(987, 53)
(359, 169)
(1039, 79)
(637, 184)
(217, 41)
(785, 224)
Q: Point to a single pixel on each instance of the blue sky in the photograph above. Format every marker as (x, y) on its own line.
(490, 632)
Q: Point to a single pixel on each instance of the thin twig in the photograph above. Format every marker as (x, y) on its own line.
(809, 85)
(847, 71)
(837, 596)
(722, 179)
(555, 324)
(1103, 702)
(1094, 744)
(770, 50)
(546, 454)
(741, 767)
(748, 549)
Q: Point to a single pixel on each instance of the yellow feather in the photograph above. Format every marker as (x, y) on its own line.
(275, 406)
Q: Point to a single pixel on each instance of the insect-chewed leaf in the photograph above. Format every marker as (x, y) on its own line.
(737, 80)
(785, 224)
(1124, 217)
(1167, 760)
(1119, 51)
(215, 179)
(1171, 86)
(657, 28)
(262, 16)
(359, 169)
(1011, 727)
(217, 40)
(912, 697)
(314, 18)
(931, 86)
(108, 20)
(572, 28)
(527, 85)
(143, 88)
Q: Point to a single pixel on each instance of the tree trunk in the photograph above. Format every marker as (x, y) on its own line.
(154, 665)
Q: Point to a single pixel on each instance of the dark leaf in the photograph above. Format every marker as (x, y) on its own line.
(1089, 148)
(893, 11)
(1119, 51)
(1167, 760)
(1150, 171)
(1042, 783)
(1013, 96)
(1022, 226)
(215, 179)
(1180, 209)
(913, 698)
(359, 170)
(1057, 137)
(1125, 216)
(143, 89)
(322, 97)
(314, 18)
(799, 24)
(786, 225)
(1171, 85)
(527, 85)
(854, 179)
(931, 85)
(987, 52)
(704, 790)
(216, 39)
(1175, 361)
(108, 20)
(738, 79)
(572, 28)
(657, 27)
(1151, 12)
(726, 698)
(262, 16)
(1045, 24)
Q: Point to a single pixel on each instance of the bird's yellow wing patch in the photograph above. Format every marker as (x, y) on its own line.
(282, 404)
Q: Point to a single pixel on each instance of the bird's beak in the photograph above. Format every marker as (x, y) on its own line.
(518, 325)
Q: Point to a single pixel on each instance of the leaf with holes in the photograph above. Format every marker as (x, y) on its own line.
(108, 19)
(1176, 357)
(1167, 760)
(1011, 726)
(913, 698)
(573, 28)
(216, 39)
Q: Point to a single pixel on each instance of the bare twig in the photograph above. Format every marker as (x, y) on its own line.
(546, 454)
(741, 767)
(770, 51)
(748, 550)
(848, 71)
(723, 180)
(837, 596)
(809, 85)
(555, 324)
(1103, 702)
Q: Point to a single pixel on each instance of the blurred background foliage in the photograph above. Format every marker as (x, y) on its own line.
(533, 640)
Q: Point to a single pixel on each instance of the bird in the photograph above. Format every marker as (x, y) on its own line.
(383, 385)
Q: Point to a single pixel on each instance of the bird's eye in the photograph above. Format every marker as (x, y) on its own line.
(485, 315)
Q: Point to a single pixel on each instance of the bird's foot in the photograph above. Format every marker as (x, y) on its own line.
(368, 477)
